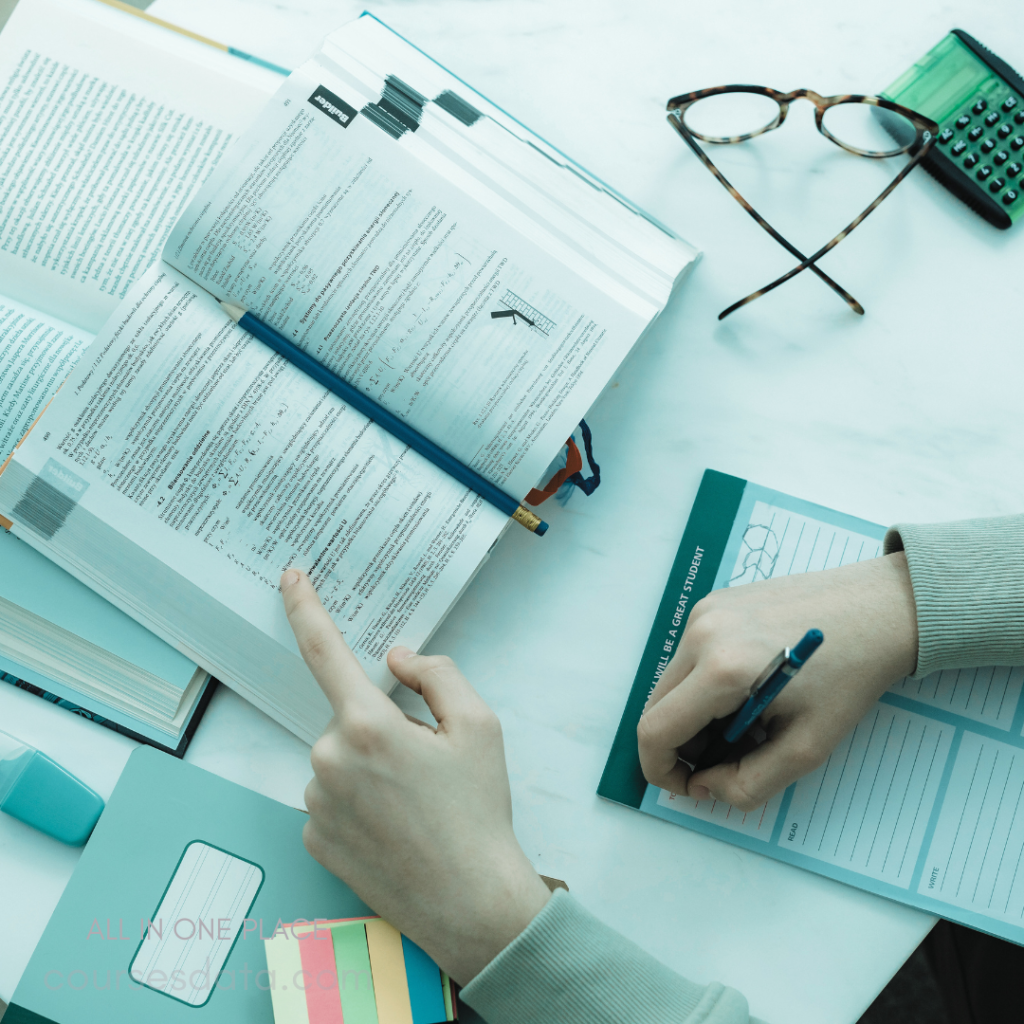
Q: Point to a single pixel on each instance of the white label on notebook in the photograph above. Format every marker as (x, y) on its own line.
(194, 928)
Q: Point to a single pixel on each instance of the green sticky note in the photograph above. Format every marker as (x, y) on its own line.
(447, 986)
(355, 980)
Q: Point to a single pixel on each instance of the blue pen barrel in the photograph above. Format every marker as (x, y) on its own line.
(808, 645)
(725, 734)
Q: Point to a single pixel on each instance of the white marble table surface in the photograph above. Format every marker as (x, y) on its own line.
(908, 413)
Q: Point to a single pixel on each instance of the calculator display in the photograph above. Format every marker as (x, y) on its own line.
(978, 103)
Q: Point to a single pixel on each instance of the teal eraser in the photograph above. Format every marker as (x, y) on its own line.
(38, 791)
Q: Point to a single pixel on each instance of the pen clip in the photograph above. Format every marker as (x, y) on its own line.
(774, 665)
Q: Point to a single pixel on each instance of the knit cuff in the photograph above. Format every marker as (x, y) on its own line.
(968, 582)
(569, 968)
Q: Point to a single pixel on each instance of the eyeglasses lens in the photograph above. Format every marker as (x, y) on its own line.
(722, 117)
(869, 128)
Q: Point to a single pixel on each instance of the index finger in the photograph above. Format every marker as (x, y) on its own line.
(322, 646)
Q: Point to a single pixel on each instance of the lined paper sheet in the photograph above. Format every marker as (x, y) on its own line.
(757, 823)
(988, 695)
(781, 542)
(976, 858)
(923, 801)
(868, 806)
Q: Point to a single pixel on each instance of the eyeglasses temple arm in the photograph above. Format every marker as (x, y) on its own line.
(809, 261)
(730, 188)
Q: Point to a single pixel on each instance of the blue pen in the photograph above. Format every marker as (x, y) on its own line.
(395, 426)
(768, 685)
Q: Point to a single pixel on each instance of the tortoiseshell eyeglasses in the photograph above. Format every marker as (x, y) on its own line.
(863, 125)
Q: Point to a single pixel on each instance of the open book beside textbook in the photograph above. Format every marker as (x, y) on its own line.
(107, 127)
(378, 212)
(923, 802)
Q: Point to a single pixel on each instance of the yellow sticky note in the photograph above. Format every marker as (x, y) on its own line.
(387, 965)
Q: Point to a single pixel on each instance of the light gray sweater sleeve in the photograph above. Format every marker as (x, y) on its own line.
(569, 968)
(968, 581)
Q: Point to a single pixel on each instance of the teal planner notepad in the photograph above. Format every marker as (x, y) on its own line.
(923, 802)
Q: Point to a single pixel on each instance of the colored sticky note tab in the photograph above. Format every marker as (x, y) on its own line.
(355, 979)
(319, 976)
(284, 965)
(426, 996)
(387, 964)
(446, 984)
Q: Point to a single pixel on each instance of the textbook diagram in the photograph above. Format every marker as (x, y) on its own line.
(517, 307)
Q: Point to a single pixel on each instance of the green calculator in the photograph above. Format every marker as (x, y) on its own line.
(977, 100)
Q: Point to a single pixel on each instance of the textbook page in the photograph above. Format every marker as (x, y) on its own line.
(37, 353)
(923, 802)
(107, 127)
(509, 168)
(184, 466)
(390, 267)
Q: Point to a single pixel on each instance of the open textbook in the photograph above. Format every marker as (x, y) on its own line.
(377, 213)
(923, 802)
(107, 127)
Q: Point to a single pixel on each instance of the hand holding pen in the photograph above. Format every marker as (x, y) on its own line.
(725, 734)
(867, 612)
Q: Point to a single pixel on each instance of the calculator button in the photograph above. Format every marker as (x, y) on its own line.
(1004, 130)
(991, 119)
(1013, 170)
(958, 147)
(976, 132)
(1018, 118)
(1017, 142)
(979, 107)
(1009, 103)
(945, 135)
(996, 184)
(1009, 196)
(984, 173)
(971, 160)
(1001, 157)
(988, 145)
(963, 121)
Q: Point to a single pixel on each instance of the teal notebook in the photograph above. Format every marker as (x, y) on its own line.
(190, 852)
(923, 802)
(166, 916)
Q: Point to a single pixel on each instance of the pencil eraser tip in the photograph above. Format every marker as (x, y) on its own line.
(542, 529)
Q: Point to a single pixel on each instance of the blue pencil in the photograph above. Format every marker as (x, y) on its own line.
(395, 426)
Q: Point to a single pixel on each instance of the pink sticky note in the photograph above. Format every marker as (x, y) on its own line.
(320, 976)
